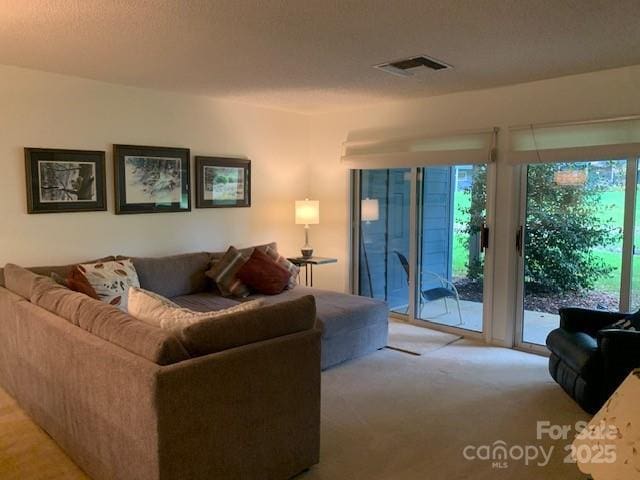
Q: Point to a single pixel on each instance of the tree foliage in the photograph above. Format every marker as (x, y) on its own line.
(564, 226)
(477, 214)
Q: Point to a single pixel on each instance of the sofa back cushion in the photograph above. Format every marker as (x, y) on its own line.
(62, 271)
(19, 280)
(174, 275)
(243, 328)
(108, 322)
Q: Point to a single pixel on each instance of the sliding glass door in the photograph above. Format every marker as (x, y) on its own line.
(421, 238)
(577, 229)
(451, 232)
(384, 232)
(634, 302)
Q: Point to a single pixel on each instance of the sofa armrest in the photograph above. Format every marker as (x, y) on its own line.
(96, 399)
(620, 350)
(585, 320)
(246, 412)
(251, 326)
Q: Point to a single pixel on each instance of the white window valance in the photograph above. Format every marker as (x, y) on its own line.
(606, 139)
(461, 148)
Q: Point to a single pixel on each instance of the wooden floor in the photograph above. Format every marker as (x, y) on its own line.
(26, 451)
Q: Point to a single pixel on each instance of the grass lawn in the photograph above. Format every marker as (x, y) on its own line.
(461, 202)
(612, 213)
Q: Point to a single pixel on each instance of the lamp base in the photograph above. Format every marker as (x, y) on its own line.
(307, 252)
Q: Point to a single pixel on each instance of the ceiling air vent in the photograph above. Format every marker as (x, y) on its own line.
(410, 66)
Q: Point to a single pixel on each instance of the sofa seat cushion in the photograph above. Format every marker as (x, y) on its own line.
(578, 350)
(205, 302)
(251, 326)
(108, 322)
(163, 313)
(174, 275)
(338, 313)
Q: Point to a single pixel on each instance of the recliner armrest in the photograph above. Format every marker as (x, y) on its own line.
(585, 320)
(620, 350)
(619, 342)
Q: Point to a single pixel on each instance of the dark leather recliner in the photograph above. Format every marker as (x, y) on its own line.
(588, 359)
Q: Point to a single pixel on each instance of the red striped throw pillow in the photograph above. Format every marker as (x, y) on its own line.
(224, 273)
(293, 270)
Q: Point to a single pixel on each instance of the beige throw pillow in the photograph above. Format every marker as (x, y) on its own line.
(162, 312)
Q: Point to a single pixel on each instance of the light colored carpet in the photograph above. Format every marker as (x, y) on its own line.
(412, 339)
(396, 416)
(389, 415)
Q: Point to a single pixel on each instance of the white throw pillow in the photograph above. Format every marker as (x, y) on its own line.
(111, 280)
(161, 312)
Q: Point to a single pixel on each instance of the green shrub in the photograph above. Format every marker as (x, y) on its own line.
(564, 226)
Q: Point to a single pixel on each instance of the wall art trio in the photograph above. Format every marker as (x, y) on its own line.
(147, 180)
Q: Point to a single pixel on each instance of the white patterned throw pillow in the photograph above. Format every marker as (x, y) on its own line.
(111, 280)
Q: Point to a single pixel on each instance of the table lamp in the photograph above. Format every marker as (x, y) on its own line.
(307, 213)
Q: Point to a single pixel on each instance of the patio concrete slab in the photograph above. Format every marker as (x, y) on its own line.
(537, 325)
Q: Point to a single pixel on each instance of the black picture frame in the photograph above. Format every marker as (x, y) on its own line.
(135, 190)
(60, 180)
(205, 177)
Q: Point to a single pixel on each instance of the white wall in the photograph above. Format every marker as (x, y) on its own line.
(46, 110)
(600, 94)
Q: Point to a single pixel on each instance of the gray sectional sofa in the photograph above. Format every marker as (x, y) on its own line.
(127, 400)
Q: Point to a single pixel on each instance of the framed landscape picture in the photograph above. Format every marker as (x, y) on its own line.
(151, 179)
(223, 182)
(65, 180)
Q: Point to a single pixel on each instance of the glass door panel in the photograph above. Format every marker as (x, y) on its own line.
(634, 303)
(385, 230)
(452, 213)
(572, 241)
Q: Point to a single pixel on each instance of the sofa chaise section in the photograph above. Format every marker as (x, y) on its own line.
(352, 326)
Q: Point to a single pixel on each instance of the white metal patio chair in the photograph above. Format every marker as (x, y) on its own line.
(446, 289)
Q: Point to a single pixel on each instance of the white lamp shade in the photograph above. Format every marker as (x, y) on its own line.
(370, 210)
(307, 212)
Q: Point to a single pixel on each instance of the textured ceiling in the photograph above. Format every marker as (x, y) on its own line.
(313, 55)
